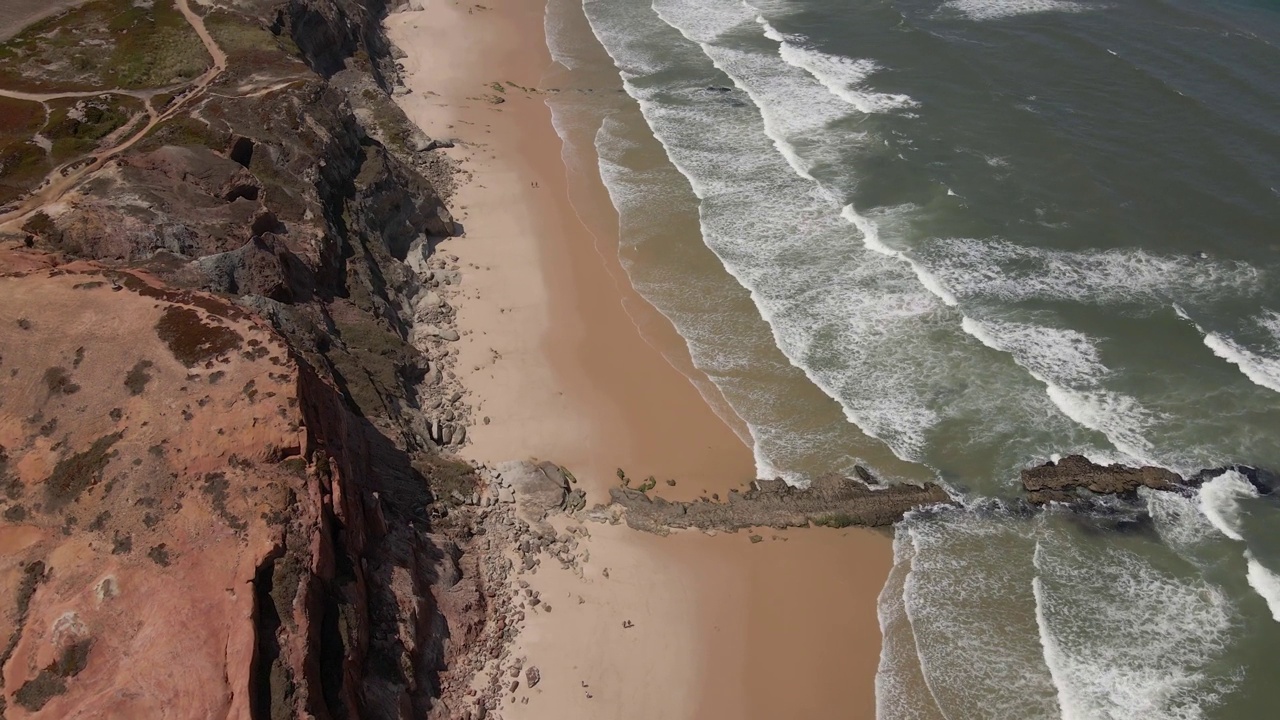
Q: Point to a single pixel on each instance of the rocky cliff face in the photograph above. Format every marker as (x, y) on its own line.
(220, 445)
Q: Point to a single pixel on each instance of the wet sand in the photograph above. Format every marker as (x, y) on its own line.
(569, 364)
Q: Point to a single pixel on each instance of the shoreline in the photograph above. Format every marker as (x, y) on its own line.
(550, 353)
(568, 363)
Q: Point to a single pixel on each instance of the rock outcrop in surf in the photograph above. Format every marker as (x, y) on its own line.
(1075, 478)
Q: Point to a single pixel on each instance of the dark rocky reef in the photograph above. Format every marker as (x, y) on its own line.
(1059, 481)
(832, 501)
(1075, 478)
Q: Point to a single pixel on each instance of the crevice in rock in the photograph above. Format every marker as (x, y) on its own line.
(333, 646)
(265, 693)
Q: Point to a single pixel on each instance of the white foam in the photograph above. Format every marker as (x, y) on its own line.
(843, 77)
(1270, 321)
(998, 269)
(871, 330)
(1068, 364)
(1178, 520)
(871, 238)
(1220, 501)
(1125, 640)
(559, 42)
(1266, 583)
(1261, 369)
(901, 690)
(995, 9)
(965, 565)
(775, 230)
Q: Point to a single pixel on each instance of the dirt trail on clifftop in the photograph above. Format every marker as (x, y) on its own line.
(66, 176)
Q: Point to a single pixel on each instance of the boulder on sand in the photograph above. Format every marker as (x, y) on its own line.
(540, 489)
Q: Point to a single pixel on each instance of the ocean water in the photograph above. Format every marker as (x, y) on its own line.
(947, 239)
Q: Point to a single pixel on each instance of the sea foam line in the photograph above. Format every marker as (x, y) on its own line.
(1219, 501)
(1261, 370)
(996, 9)
(905, 434)
(1124, 639)
(899, 665)
(840, 75)
(889, 309)
(1068, 364)
(1265, 582)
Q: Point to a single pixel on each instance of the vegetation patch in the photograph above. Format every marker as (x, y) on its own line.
(58, 381)
(137, 378)
(159, 554)
(192, 340)
(77, 126)
(72, 475)
(32, 575)
(23, 163)
(445, 477)
(43, 227)
(99, 523)
(215, 488)
(52, 680)
(250, 45)
(107, 43)
(371, 366)
(295, 466)
(184, 130)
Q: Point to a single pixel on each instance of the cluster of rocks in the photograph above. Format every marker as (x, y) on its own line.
(511, 537)
(1075, 478)
(831, 501)
(434, 332)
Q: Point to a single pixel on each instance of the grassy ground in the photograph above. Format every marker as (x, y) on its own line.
(105, 44)
(74, 127)
(22, 162)
(251, 46)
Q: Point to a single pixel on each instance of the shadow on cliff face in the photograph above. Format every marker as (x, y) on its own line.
(383, 637)
(297, 191)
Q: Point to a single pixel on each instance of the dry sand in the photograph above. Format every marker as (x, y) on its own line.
(723, 627)
(562, 371)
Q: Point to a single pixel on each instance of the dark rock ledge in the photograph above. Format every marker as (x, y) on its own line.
(831, 501)
(1075, 478)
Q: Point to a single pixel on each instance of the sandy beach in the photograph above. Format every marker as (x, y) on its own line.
(565, 362)
(552, 356)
